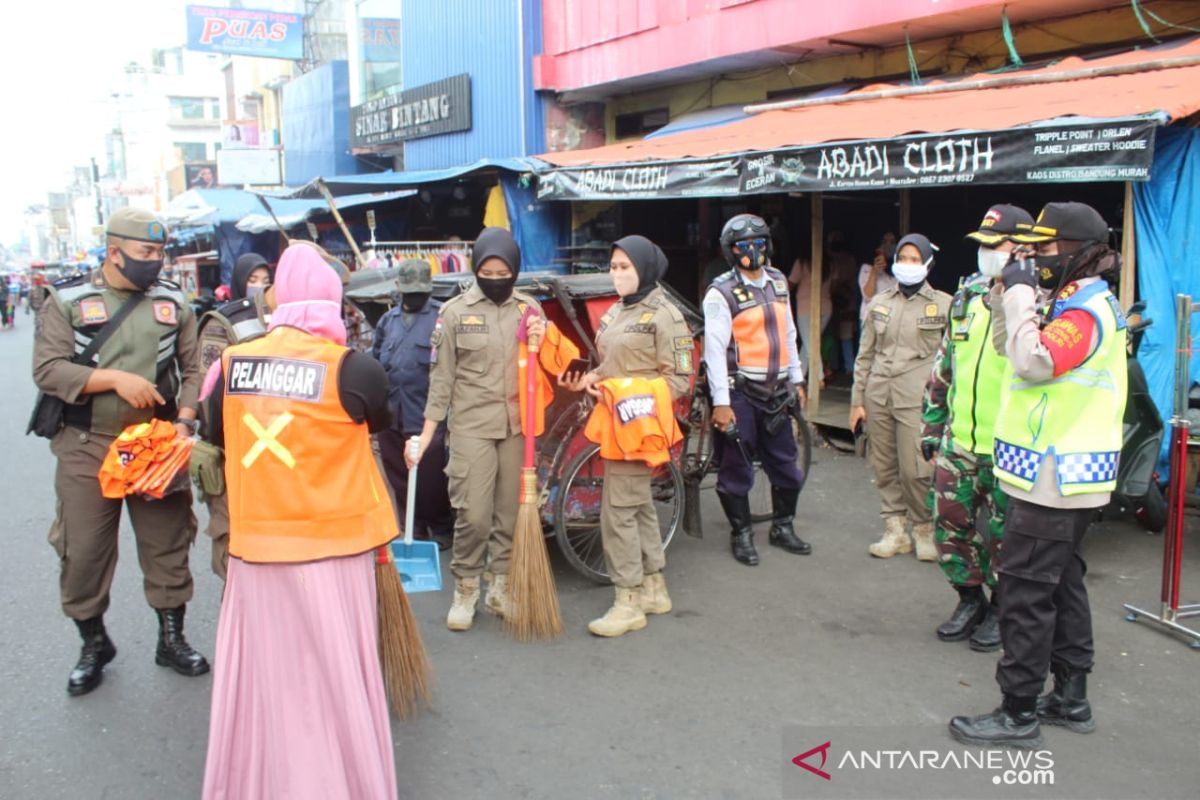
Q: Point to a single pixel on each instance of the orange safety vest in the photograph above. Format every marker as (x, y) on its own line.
(634, 420)
(302, 479)
(556, 354)
(758, 347)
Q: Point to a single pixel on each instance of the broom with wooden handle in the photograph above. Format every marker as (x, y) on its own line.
(533, 598)
(406, 671)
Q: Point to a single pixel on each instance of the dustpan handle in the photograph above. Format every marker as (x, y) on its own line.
(410, 507)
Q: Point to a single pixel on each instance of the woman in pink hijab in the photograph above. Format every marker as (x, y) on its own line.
(298, 706)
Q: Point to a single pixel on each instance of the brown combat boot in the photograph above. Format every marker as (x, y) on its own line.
(895, 539)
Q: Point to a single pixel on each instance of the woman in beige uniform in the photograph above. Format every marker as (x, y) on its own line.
(642, 336)
(473, 386)
(901, 333)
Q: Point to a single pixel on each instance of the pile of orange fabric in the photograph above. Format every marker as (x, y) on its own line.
(556, 353)
(634, 420)
(144, 459)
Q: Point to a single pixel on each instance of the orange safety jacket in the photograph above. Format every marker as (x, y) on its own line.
(554, 356)
(302, 479)
(758, 347)
(634, 420)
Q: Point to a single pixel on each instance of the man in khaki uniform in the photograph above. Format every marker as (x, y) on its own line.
(148, 368)
(473, 386)
(900, 339)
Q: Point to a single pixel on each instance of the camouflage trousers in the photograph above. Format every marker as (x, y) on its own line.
(963, 484)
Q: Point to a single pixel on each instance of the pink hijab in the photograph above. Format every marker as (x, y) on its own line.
(308, 296)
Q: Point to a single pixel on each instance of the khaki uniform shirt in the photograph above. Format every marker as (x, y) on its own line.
(648, 339)
(163, 323)
(474, 376)
(900, 338)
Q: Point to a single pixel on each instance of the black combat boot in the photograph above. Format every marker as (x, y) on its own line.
(783, 512)
(971, 608)
(173, 650)
(1013, 724)
(97, 651)
(737, 511)
(986, 638)
(1067, 704)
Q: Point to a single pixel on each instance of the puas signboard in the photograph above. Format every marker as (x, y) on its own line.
(245, 32)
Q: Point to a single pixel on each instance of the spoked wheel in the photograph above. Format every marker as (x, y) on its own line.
(577, 510)
(760, 494)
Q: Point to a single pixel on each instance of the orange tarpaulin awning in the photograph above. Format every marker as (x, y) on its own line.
(1171, 91)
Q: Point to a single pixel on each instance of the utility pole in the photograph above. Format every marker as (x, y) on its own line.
(96, 191)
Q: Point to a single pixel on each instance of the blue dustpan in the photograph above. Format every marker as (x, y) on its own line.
(419, 563)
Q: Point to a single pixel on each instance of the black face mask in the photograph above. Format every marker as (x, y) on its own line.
(414, 301)
(141, 274)
(496, 289)
(1051, 269)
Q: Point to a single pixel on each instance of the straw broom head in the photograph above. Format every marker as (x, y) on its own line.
(533, 598)
(407, 675)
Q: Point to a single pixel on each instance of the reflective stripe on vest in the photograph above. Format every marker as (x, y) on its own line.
(302, 479)
(758, 346)
(1076, 417)
(978, 375)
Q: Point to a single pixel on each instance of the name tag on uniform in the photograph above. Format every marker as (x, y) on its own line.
(936, 322)
(164, 312)
(288, 378)
(471, 323)
(639, 327)
(93, 312)
(780, 287)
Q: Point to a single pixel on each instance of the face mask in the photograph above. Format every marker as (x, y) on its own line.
(750, 257)
(625, 281)
(254, 291)
(496, 289)
(991, 262)
(1050, 269)
(414, 301)
(910, 274)
(141, 274)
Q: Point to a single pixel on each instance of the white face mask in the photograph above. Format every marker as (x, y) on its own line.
(991, 261)
(625, 281)
(910, 274)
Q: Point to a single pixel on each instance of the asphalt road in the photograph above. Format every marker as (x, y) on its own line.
(700, 704)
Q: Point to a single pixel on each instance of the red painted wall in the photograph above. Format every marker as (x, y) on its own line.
(593, 42)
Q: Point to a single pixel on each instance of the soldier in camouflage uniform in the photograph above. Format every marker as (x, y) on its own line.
(961, 400)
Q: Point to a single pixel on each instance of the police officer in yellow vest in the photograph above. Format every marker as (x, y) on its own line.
(1057, 442)
(755, 378)
(962, 398)
(148, 368)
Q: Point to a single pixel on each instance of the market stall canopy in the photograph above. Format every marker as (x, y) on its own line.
(341, 185)
(201, 207)
(1076, 119)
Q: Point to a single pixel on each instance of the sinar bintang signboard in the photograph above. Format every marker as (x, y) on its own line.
(1109, 150)
(440, 107)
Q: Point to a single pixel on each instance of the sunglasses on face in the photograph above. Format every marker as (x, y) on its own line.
(757, 244)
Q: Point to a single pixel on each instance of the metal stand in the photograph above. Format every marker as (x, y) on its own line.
(1170, 612)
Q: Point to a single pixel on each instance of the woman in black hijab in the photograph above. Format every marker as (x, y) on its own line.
(642, 336)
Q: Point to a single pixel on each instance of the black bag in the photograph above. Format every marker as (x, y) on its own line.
(48, 411)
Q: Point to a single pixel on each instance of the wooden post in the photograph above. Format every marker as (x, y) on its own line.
(358, 256)
(1128, 252)
(278, 227)
(905, 213)
(815, 369)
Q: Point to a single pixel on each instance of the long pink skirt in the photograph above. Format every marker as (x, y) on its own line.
(298, 705)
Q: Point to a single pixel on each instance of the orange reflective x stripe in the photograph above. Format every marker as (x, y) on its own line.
(267, 440)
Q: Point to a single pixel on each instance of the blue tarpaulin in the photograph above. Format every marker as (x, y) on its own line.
(387, 181)
(1167, 210)
(538, 227)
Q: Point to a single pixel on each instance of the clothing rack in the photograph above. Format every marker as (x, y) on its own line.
(1170, 612)
(443, 256)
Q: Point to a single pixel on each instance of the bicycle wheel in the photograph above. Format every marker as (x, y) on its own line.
(760, 494)
(577, 510)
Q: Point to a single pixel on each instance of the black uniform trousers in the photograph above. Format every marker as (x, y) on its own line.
(776, 451)
(433, 515)
(1044, 614)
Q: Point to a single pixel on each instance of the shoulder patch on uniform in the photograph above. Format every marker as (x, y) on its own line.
(683, 361)
(165, 312)
(92, 311)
